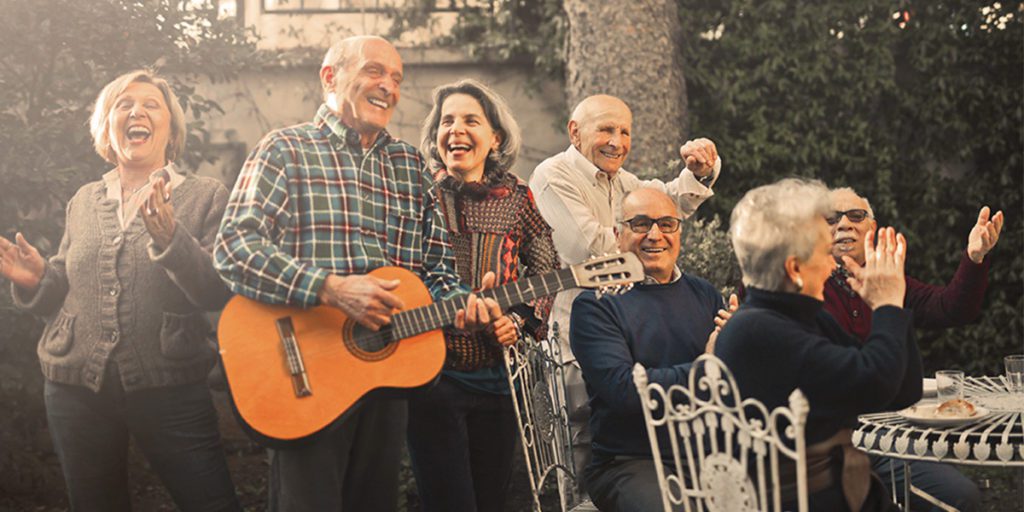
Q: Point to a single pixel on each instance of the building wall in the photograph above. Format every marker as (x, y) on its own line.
(266, 99)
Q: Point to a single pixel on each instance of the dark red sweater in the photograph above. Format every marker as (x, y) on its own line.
(958, 303)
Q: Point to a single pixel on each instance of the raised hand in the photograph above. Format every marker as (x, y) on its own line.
(366, 299)
(21, 263)
(479, 312)
(984, 235)
(880, 282)
(158, 214)
(700, 156)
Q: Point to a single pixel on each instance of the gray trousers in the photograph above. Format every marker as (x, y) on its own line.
(352, 468)
(626, 485)
(576, 401)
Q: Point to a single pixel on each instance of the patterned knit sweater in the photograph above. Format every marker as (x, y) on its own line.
(501, 232)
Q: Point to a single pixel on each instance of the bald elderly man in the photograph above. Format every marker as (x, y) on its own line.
(664, 324)
(579, 191)
(957, 303)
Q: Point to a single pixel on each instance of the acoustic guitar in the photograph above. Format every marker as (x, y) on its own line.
(293, 372)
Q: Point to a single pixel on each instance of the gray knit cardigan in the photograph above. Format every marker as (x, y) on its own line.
(109, 295)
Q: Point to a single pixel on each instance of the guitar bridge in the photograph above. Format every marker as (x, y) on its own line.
(293, 357)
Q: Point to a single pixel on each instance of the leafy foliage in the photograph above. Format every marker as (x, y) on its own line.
(919, 109)
(917, 105)
(57, 56)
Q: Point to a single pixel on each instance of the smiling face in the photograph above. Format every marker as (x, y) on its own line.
(365, 92)
(140, 127)
(600, 130)
(465, 137)
(848, 236)
(657, 251)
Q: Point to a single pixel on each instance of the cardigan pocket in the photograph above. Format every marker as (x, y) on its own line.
(59, 334)
(183, 336)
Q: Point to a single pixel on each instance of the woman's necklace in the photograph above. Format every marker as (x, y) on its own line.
(125, 191)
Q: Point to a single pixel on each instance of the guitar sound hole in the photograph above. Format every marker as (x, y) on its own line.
(369, 345)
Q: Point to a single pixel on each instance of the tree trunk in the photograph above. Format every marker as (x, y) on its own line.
(632, 50)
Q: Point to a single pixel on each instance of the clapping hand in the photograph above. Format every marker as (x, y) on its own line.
(158, 214)
(723, 316)
(880, 282)
(984, 235)
(21, 263)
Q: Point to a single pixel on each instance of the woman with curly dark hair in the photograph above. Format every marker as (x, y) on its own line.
(462, 431)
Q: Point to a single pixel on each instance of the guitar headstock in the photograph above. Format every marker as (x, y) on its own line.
(609, 274)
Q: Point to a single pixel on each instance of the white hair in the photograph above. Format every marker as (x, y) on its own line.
(867, 204)
(772, 223)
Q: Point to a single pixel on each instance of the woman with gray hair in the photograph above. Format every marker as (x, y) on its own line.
(462, 431)
(781, 338)
(126, 350)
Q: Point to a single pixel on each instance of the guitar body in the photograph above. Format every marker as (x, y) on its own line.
(337, 371)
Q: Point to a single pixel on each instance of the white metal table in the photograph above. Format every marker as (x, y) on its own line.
(994, 440)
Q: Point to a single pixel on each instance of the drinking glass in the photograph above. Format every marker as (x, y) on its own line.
(949, 384)
(1014, 372)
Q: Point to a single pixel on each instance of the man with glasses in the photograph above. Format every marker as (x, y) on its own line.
(579, 191)
(958, 303)
(664, 323)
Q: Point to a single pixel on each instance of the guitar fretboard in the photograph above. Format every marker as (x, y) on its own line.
(437, 315)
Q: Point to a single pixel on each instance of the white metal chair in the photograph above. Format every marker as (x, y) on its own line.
(537, 380)
(726, 450)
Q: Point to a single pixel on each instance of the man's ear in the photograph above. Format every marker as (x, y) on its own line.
(574, 133)
(327, 77)
(874, 225)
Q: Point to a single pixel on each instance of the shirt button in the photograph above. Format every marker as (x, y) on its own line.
(114, 335)
(117, 240)
(856, 313)
(113, 292)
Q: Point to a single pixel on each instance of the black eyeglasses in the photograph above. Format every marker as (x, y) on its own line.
(856, 216)
(642, 224)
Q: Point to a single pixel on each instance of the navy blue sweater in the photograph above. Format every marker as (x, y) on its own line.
(778, 342)
(664, 327)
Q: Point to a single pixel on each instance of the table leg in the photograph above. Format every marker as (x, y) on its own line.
(906, 486)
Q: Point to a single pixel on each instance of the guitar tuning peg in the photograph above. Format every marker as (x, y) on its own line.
(599, 292)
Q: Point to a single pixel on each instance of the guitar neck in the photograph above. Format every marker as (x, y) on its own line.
(441, 314)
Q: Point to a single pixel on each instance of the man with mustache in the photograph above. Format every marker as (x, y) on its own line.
(958, 303)
(317, 206)
(579, 193)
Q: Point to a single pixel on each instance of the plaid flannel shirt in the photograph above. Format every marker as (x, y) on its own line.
(311, 202)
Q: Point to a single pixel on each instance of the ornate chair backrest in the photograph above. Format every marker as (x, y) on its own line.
(537, 380)
(728, 454)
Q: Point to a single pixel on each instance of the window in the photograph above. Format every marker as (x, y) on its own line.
(327, 6)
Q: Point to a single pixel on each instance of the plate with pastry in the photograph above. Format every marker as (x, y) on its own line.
(950, 413)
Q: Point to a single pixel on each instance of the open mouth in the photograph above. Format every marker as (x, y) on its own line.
(844, 243)
(609, 154)
(459, 148)
(653, 250)
(379, 103)
(138, 134)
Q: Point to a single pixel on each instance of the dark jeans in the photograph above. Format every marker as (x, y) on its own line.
(174, 427)
(351, 468)
(942, 481)
(625, 485)
(462, 444)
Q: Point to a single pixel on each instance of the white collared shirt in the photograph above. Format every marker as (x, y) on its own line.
(580, 203)
(127, 210)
